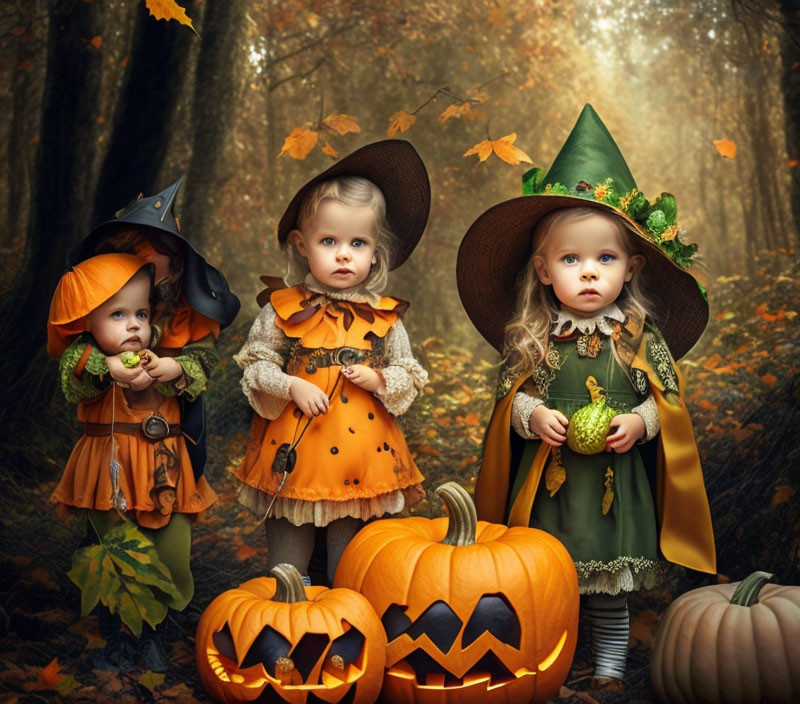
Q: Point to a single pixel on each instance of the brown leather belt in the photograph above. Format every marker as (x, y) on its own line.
(101, 429)
(316, 358)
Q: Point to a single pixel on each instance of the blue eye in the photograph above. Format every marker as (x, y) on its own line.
(569, 259)
(117, 315)
(328, 241)
(358, 243)
(607, 258)
(143, 314)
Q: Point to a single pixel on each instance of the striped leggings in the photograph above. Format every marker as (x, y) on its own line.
(608, 616)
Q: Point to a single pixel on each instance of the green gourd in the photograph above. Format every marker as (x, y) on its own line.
(589, 425)
(130, 359)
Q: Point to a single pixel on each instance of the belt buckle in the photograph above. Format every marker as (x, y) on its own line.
(345, 356)
(155, 427)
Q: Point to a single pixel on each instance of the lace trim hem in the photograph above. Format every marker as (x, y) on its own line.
(624, 574)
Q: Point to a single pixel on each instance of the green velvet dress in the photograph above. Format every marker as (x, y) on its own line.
(613, 552)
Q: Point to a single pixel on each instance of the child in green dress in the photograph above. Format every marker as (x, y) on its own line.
(589, 330)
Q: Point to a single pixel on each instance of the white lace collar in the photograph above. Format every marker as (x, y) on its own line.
(567, 322)
(355, 294)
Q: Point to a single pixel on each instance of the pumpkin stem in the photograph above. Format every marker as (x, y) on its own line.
(461, 511)
(289, 584)
(746, 593)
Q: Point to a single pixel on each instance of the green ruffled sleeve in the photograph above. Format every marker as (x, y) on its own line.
(197, 359)
(93, 380)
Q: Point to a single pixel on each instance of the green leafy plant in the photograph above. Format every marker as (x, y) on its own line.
(126, 575)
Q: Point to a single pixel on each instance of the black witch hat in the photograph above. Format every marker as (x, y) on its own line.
(204, 286)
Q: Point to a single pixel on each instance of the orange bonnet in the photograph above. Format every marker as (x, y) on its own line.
(82, 289)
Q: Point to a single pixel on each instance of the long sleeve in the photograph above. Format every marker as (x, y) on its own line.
(403, 374)
(525, 401)
(649, 413)
(197, 359)
(83, 371)
(262, 358)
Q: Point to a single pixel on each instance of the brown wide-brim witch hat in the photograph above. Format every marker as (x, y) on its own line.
(588, 171)
(394, 166)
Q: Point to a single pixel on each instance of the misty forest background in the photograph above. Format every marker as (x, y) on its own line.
(100, 102)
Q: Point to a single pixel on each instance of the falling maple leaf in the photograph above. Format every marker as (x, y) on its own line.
(96, 42)
(400, 121)
(341, 124)
(329, 150)
(455, 110)
(726, 148)
(793, 163)
(299, 143)
(503, 147)
(169, 10)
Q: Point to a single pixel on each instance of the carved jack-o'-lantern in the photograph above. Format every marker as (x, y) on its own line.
(473, 611)
(273, 640)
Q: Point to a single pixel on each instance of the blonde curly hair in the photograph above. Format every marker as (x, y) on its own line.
(527, 335)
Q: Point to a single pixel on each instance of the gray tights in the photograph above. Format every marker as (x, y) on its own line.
(293, 544)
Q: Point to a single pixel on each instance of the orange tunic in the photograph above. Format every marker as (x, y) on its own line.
(186, 325)
(355, 451)
(155, 477)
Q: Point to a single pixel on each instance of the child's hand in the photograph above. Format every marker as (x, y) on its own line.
(308, 397)
(549, 425)
(160, 368)
(365, 377)
(628, 428)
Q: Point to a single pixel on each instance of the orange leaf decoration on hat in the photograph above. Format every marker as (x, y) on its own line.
(82, 289)
(503, 147)
(299, 143)
(726, 148)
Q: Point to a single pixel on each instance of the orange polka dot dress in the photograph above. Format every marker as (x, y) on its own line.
(352, 460)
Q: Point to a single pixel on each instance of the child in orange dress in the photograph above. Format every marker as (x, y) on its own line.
(191, 302)
(132, 459)
(328, 364)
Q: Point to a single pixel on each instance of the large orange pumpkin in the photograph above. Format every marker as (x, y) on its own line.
(733, 643)
(473, 611)
(276, 641)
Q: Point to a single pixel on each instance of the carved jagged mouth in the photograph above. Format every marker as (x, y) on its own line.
(267, 660)
(427, 672)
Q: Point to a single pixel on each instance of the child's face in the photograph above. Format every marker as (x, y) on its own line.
(586, 263)
(123, 321)
(339, 244)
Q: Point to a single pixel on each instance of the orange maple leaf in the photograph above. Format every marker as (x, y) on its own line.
(400, 121)
(726, 148)
(456, 110)
(50, 675)
(169, 10)
(329, 150)
(503, 147)
(782, 493)
(96, 42)
(299, 143)
(341, 123)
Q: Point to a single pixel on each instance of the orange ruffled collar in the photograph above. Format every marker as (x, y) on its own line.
(322, 321)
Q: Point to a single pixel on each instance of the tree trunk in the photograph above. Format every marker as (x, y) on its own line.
(156, 70)
(790, 85)
(216, 95)
(62, 196)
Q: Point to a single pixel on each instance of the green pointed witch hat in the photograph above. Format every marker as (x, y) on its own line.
(589, 170)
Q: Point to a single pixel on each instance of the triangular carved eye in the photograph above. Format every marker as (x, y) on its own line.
(348, 646)
(308, 651)
(494, 614)
(440, 623)
(268, 646)
(395, 621)
(223, 642)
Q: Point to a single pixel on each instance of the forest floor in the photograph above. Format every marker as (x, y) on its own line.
(744, 395)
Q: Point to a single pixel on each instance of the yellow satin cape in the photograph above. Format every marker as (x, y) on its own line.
(686, 533)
